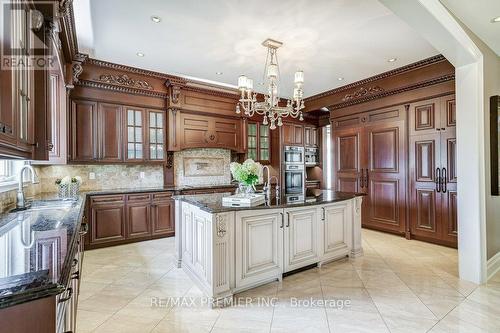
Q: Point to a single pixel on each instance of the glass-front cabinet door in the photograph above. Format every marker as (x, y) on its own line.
(258, 142)
(135, 145)
(156, 140)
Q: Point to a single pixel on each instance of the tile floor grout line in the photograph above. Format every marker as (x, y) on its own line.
(369, 295)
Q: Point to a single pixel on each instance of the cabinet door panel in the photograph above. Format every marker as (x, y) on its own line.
(299, 135)
(138, 218)
(259, 245)
(449, 193)
(83, 131)
(424, 196)
(107, 223)
(335, 232)
(448, 112)
(110, 132)
(301, 246)
(288, 131)
(163, 217)
(347, 151)
(385, 177)
(425, 117)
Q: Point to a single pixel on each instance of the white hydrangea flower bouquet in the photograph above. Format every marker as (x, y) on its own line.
(246, 173)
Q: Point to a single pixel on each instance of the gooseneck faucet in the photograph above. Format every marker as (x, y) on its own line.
(267, 184)
(21, 202)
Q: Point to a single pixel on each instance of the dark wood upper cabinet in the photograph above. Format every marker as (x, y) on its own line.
(293, 134)
(200, 131)
(112, 133)
(311, 136)
(24, 133)
(258, 142)
(109, 125)
(83, 131)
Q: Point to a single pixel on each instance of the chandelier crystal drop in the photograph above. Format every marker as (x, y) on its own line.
(270, 109)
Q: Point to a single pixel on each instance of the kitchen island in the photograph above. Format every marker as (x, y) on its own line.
(226, 250)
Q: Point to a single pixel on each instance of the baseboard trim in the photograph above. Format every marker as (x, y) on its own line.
(493, 265)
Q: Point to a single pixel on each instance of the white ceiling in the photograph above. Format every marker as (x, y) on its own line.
(326, 38)
(477, 16)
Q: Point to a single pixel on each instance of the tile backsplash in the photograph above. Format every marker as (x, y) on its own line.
(106, 176)
(196, 167)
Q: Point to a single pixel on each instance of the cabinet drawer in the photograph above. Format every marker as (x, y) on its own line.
(162, 195)
(139, 197)
(107, 198)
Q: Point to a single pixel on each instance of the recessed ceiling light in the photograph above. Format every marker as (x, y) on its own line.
(140, 54)
(219, 73)
(340, 79)
(495, 19)
(156, 19)
(392, 59)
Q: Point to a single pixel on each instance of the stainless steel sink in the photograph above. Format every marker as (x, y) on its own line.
(59, 204)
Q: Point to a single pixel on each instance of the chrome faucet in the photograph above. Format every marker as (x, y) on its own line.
(21, 202)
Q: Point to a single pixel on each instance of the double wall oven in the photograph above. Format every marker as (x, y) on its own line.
(294, 173)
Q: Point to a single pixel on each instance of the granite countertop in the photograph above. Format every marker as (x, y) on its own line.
(26, 238)
(157, 189)
(212, 203)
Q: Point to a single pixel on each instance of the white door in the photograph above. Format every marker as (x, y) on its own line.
(301, 238)
(336, 231)
(259, 246)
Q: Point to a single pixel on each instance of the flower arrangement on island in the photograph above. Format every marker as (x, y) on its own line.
(246, 173)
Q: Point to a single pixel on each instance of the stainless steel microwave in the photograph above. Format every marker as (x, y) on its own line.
(294, 155)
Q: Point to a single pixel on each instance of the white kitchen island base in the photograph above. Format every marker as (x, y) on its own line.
(229, 251)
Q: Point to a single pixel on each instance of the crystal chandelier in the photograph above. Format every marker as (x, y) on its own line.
(269, 108)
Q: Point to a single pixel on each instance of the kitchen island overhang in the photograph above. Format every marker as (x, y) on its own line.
(226, 250)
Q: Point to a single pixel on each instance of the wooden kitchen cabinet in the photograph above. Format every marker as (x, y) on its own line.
(370, 157)
(107, 219)
(258, 142)
(109, 127)
(433, 170)
(162, 214)
(138, 215)
(190, 130)
(112, 133)
(311, 136)
(24, 133)
(83, 131)
(293, 134)
(118, 219)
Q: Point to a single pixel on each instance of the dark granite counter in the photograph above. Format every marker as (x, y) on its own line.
(27, 270)
(25, 274)
(175, 189)
(212, 203)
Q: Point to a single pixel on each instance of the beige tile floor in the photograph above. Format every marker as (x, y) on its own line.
(397, 286)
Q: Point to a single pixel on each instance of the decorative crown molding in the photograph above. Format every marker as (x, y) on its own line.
(135, 70)
(124, 80)
(386, 93)
(362, 92)
(210, 92)
(122, 89)
(400, 70)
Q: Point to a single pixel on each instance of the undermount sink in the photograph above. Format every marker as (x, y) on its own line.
(47, 204)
